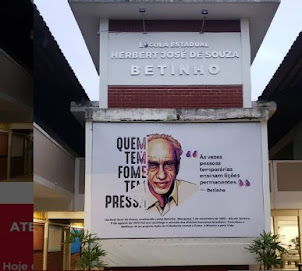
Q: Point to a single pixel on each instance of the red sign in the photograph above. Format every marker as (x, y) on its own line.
(16, 236)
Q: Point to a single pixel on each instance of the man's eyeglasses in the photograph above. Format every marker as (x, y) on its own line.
(154, 166)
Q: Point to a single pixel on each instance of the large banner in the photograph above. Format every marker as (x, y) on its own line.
(156, 180)
(174, 58)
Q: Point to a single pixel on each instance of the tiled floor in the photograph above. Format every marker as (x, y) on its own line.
(291, 266)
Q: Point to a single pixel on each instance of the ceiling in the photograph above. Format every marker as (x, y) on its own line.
(16, 45)
(16, 28)
(51, 199)
(285, 88)
(56, 86)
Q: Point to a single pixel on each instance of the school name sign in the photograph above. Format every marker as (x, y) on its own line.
(174, 58)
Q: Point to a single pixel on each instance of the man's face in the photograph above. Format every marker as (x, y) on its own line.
(161, 166)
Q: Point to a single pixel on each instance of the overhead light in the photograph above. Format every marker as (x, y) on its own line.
(142, 11)
(204, 12)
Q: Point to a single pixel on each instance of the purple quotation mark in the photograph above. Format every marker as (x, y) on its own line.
(189, 154)
(246, 183)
